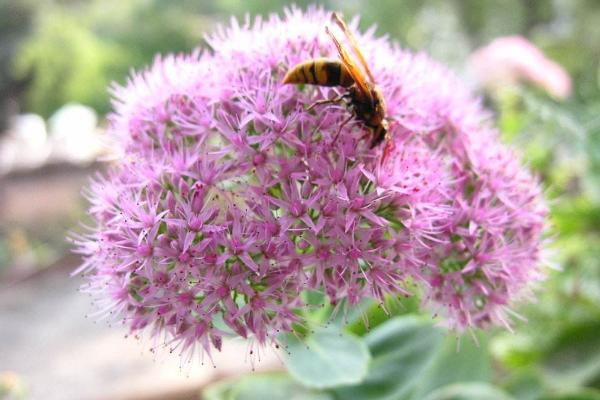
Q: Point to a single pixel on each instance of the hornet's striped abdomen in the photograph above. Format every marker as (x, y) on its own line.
(320, 71)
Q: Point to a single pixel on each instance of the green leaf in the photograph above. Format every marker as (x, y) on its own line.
(402, 348)
(465, 361)
(468, 391)
(272, 386)
(369, 314)
(525, 384)
(581, 394)
(575, 358)
(327, 358)
(217, 391)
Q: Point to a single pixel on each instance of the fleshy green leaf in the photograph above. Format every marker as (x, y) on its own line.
(575, 359)
(218, 391)
(582, 394)
(525, 384)
(465, 361)
(273, 386)
(369, 314)
(468, 391)
(402, 348)
(327, 358)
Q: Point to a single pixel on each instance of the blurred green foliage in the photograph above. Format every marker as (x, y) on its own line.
(67, 62)
(15, 20)
(78, 48)
(71, 50)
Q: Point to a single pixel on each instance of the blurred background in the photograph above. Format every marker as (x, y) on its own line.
(537, 64)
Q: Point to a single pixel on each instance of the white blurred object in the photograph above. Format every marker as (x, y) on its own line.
(74, 134)
(25, 145)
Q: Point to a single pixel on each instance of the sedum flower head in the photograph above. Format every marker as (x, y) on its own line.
(231, 198)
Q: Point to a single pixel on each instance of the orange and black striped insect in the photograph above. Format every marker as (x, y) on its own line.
(365, 98)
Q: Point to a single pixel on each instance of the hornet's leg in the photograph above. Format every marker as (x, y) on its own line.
(377, 138)
(328, 101)
(366, 135)
(341, 126)
(380, 132)
(389, 146)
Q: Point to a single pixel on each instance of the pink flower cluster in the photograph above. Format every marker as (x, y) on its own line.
(231, 198)
(510, 59)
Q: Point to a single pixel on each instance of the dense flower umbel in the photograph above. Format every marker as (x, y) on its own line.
(231, 198)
